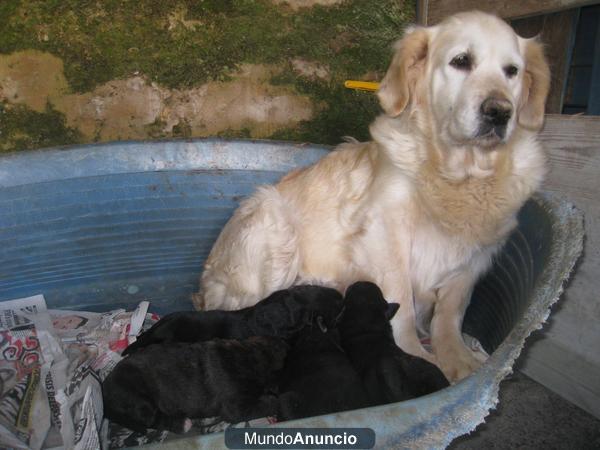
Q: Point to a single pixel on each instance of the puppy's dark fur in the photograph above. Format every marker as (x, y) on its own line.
(281, 314)
(389, 374)
(318, 378)
(163, 385)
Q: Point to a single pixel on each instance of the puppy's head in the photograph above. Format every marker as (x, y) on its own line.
(471, 76)
(366, 310)
(319, 301)
(285, 312)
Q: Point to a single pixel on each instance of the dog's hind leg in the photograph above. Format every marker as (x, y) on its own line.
(256, 253)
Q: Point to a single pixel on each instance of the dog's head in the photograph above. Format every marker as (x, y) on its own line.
(473, 78)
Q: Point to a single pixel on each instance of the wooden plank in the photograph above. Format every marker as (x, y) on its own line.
(433, 11)
(564, 356)
(557, 32)
(573, 145)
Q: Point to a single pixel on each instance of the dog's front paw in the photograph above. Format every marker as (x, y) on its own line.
(459, 363)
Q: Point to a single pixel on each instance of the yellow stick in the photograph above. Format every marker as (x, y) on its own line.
(362, 85)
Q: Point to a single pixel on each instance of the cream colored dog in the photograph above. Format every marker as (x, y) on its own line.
(422, 209)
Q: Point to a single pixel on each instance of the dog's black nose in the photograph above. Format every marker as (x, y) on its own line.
(496, 111)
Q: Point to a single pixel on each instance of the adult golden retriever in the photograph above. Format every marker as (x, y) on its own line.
(420, 210)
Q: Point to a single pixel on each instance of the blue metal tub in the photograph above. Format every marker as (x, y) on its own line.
(105, 226)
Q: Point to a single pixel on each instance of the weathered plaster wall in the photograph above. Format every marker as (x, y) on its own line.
(76, 71)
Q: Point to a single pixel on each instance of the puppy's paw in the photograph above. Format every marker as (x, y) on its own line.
(187, 425)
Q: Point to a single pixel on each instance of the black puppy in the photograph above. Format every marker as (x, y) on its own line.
(281, 314)
(163, 386)
(318, 377)
(389, 374)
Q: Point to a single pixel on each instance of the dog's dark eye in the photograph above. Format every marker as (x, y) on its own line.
(462, 62)
(511, 70)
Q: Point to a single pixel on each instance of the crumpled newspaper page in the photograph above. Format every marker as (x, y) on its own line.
(30, 352)
(52, 363)
(92, 343)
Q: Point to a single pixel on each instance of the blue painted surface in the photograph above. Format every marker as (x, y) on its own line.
(100, 218)
(86, 226)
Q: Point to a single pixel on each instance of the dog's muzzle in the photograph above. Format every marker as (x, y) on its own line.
(495, 113)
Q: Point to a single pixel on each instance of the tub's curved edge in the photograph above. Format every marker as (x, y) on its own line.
(143, 156)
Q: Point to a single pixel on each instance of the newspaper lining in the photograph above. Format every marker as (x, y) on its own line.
(52, 364)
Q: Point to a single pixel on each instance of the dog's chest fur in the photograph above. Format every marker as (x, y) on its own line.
(436, 257)
(474, 207)
(391, 193)
(459, 223)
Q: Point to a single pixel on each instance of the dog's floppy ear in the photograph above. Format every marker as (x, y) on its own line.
(392, 309)
(536, 84)
(407, 65)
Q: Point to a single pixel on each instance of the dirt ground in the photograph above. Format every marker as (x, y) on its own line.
(531, 417)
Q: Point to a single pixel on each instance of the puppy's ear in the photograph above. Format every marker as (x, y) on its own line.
(392, 309)
(407, 65)
(536, 84)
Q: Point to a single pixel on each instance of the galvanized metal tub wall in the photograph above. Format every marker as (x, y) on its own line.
(105, 226)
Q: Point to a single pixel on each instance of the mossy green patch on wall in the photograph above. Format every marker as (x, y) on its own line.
(22, 128)
(347, 113)
(186, 44)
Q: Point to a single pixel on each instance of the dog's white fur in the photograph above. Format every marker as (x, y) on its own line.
(421, 209)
